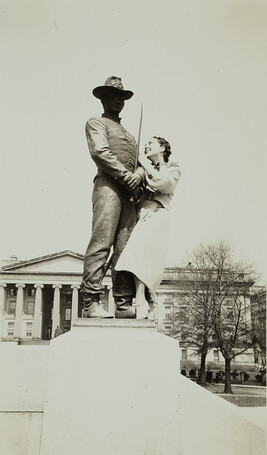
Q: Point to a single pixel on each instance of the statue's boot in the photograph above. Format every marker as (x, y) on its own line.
(124, 308)
(94, 309)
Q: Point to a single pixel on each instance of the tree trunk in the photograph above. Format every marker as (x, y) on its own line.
(202, 375)
(227, 383)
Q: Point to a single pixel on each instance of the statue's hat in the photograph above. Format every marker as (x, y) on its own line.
(113, 83)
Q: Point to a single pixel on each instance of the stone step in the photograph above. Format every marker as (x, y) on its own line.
(115, 323)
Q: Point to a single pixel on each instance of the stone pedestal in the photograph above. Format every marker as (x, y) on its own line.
(213, 426)
(113, 389)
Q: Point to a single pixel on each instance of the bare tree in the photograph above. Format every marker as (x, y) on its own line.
(191, 319)
(230, 297)
(218, 311)
(197, 319)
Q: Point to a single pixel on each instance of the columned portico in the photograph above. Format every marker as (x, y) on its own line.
(2, 305)
(160, 309)
(19, 310)
(37, 324)
(56, 308)
(74, 302)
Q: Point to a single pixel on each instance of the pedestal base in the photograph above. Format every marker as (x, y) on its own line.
(113, 389)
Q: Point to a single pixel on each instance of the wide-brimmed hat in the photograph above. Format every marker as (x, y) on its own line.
(113, 83)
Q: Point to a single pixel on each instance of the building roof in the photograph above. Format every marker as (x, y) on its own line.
(21, 263)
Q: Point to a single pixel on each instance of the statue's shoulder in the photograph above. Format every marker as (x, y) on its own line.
(95, 122)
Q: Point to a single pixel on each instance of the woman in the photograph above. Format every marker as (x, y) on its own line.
(145, 252)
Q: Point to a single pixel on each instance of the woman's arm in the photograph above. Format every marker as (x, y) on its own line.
(165, 179)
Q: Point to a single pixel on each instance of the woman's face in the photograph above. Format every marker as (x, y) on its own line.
(153, 148)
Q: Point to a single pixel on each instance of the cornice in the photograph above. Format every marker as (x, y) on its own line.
(48, 257)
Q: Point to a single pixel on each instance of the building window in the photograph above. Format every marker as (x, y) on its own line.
(183, 315)
(67, 314)
(11, 307)
(30, 292)
(10, 329)
(184, 354)
(216, 355)
(28, 329)
(229, 314)
(29, 307)
(168, 298)
(12, 292)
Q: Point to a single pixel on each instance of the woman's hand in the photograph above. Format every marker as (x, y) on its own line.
(134, 180)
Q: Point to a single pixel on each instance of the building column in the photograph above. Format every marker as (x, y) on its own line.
(74, 302)
(2, 306)
(19, 310)
(247, 308)
(56, 309)
(160, 309)
(111, 303)
(37, 323)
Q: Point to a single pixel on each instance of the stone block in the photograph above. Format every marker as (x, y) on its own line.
(213, 426)
(20, 433)
(23, 377)
(113, 388)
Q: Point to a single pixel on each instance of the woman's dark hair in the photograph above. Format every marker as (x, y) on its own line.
(167, 148)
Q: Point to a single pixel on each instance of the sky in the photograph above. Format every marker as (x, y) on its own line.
(198, 67)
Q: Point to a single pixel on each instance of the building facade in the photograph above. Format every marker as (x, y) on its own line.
(39, 295)
(259, 324)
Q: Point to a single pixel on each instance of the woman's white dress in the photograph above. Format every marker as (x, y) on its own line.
(145, 252)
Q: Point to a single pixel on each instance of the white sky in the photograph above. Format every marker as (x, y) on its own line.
(199, 68)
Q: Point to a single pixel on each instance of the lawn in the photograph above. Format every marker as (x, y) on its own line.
(242, 396)
(244, 400)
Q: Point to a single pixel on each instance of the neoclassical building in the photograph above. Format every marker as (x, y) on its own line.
(41, 294)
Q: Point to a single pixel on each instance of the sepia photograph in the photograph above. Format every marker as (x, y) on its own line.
(133, 247)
